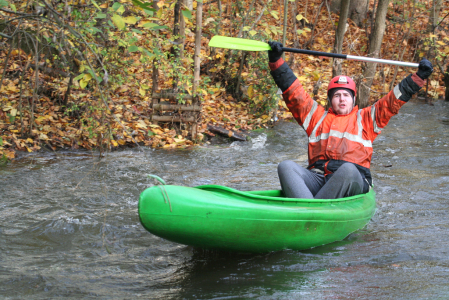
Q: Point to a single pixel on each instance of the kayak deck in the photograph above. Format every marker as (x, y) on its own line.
(218, 217)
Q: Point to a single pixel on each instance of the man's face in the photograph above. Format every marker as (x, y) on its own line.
(342, 102)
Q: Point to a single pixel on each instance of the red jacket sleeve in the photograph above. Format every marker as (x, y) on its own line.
(377, 116)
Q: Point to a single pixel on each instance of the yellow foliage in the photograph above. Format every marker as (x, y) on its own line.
(130, 20)
(250, 91)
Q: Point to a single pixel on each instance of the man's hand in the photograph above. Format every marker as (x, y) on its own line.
(425, 69)
(276, 51)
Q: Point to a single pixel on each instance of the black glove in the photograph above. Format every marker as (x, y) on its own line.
(276, 51)
(425, 69)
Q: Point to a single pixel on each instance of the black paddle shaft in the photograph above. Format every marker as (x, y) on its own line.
(316, 53)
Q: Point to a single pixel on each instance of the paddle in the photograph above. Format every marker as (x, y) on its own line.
(251, 45)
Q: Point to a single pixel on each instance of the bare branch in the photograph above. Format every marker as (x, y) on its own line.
(17, 13)
(5, 36)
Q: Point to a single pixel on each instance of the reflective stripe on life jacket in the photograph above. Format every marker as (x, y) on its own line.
(306, 123)
(358, 138)
(373, 117)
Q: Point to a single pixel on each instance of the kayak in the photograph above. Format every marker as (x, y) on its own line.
(219, 217)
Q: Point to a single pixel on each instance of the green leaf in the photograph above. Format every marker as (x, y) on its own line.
(154, 26)
(93, 75)
(118, 21)
(100, 16)
(148, 53)
(157, 52)
(186, 13)
(133, 48)
(78, 77)
(121, 9)
(144, 6)
(13, 7)
(1, 141)
(149, 25)
(116, 6)
(3, 3)
(149, 12)
(95, 29)
(275, 14)
(159, 27)
(95, 4)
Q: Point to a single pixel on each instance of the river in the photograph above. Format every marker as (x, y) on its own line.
(69, 226)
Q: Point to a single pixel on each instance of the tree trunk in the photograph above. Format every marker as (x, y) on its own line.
(374, 50)
(357, 9)
(434, 14)
(196, 60)
(198, 33)
(446, 84)
(339, 35)
(175, 50)
(176, 16)
(182, 32)
(155, 74)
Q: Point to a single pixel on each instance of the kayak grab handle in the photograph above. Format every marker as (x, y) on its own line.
(157, 178)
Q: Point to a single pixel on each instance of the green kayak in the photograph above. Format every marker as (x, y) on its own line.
(218, 217)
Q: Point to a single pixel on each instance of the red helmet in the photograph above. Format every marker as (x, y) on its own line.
(342, 82)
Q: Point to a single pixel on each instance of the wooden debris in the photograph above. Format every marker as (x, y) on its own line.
(225, 132)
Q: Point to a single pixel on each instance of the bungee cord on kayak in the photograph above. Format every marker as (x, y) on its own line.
(162, 188)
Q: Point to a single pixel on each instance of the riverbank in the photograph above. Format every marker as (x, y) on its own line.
(126, 125)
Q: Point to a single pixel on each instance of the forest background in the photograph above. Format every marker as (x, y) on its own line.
(82, 73)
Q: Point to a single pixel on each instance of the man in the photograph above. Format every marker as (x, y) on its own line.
(340, 139)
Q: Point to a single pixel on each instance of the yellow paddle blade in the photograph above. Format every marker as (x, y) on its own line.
(238, 44)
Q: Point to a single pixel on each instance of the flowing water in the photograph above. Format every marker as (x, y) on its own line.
(69, 226)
